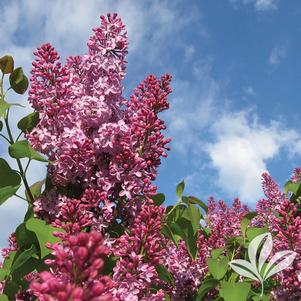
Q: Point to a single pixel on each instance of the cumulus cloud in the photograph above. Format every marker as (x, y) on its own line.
(276, 55)
(240, 151)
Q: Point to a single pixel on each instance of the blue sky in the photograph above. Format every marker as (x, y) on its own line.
(235, 63)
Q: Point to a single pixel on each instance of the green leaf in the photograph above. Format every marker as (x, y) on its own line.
(292, 187)
(7, 64)
(194, 200)
(11, 288)
(27, 267)
(235, 291)
(184, 229)
(217, 252)
(218, 266)
(24, 236)
(180, 188)
(9, 181)
(43, 232)
(27, 123)
(22, 256)
(36, 189)
(246, 221)
(3, 274)
(166, 231)
(18, 81)
(9, 260)
(7, 192)
(158, 199)
(3, 297)
(206, 286)
(164, 274)
(1, 125)
(3, 107)
(8, 176)
(177, 212)
(254, 231)
(22, 149)
(195, 217)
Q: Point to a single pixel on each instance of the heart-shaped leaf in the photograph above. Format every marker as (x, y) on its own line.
(7, 64)
(18, 81)
(22, 149)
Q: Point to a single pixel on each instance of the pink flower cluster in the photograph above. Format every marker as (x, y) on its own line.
(94, 137)
(139, 250)
(284, 221)
(75, 271)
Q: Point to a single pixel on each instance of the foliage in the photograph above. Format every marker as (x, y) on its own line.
(96, 228)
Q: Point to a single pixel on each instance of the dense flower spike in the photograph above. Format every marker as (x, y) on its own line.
(140, 249)
(75, 271)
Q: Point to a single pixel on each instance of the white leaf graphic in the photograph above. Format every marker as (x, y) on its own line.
(288, 256)
(265, 252)
(254, 246)
(244, 268)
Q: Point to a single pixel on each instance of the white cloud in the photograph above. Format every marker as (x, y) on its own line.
(263, 5)
(276, 55)
(249, 91)
(240, 151)
(259, 5)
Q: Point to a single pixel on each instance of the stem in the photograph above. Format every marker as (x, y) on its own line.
(27, 166)
(261, 295)
(20, 197)
(5, 138)
(18, 160)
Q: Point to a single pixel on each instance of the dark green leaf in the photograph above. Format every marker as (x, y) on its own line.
(7, 64)
(195, 215)
(166, 231)
(206, 286)
(7, 192)
(11, 288)
(9, 181)
(1, 125)
(194, 200)
(25, 237)
(164, 274)
(43, 232)
(22, 149)
(246, 221)
(27, 123)
(22, 256)
(180, 188)
(27, 267)
(29, 213)
(8, 176)
(177, 212)
(184, 229)
(158, 199)
(18, 81)
(110, 262)
(234, 291)
(218, 266)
